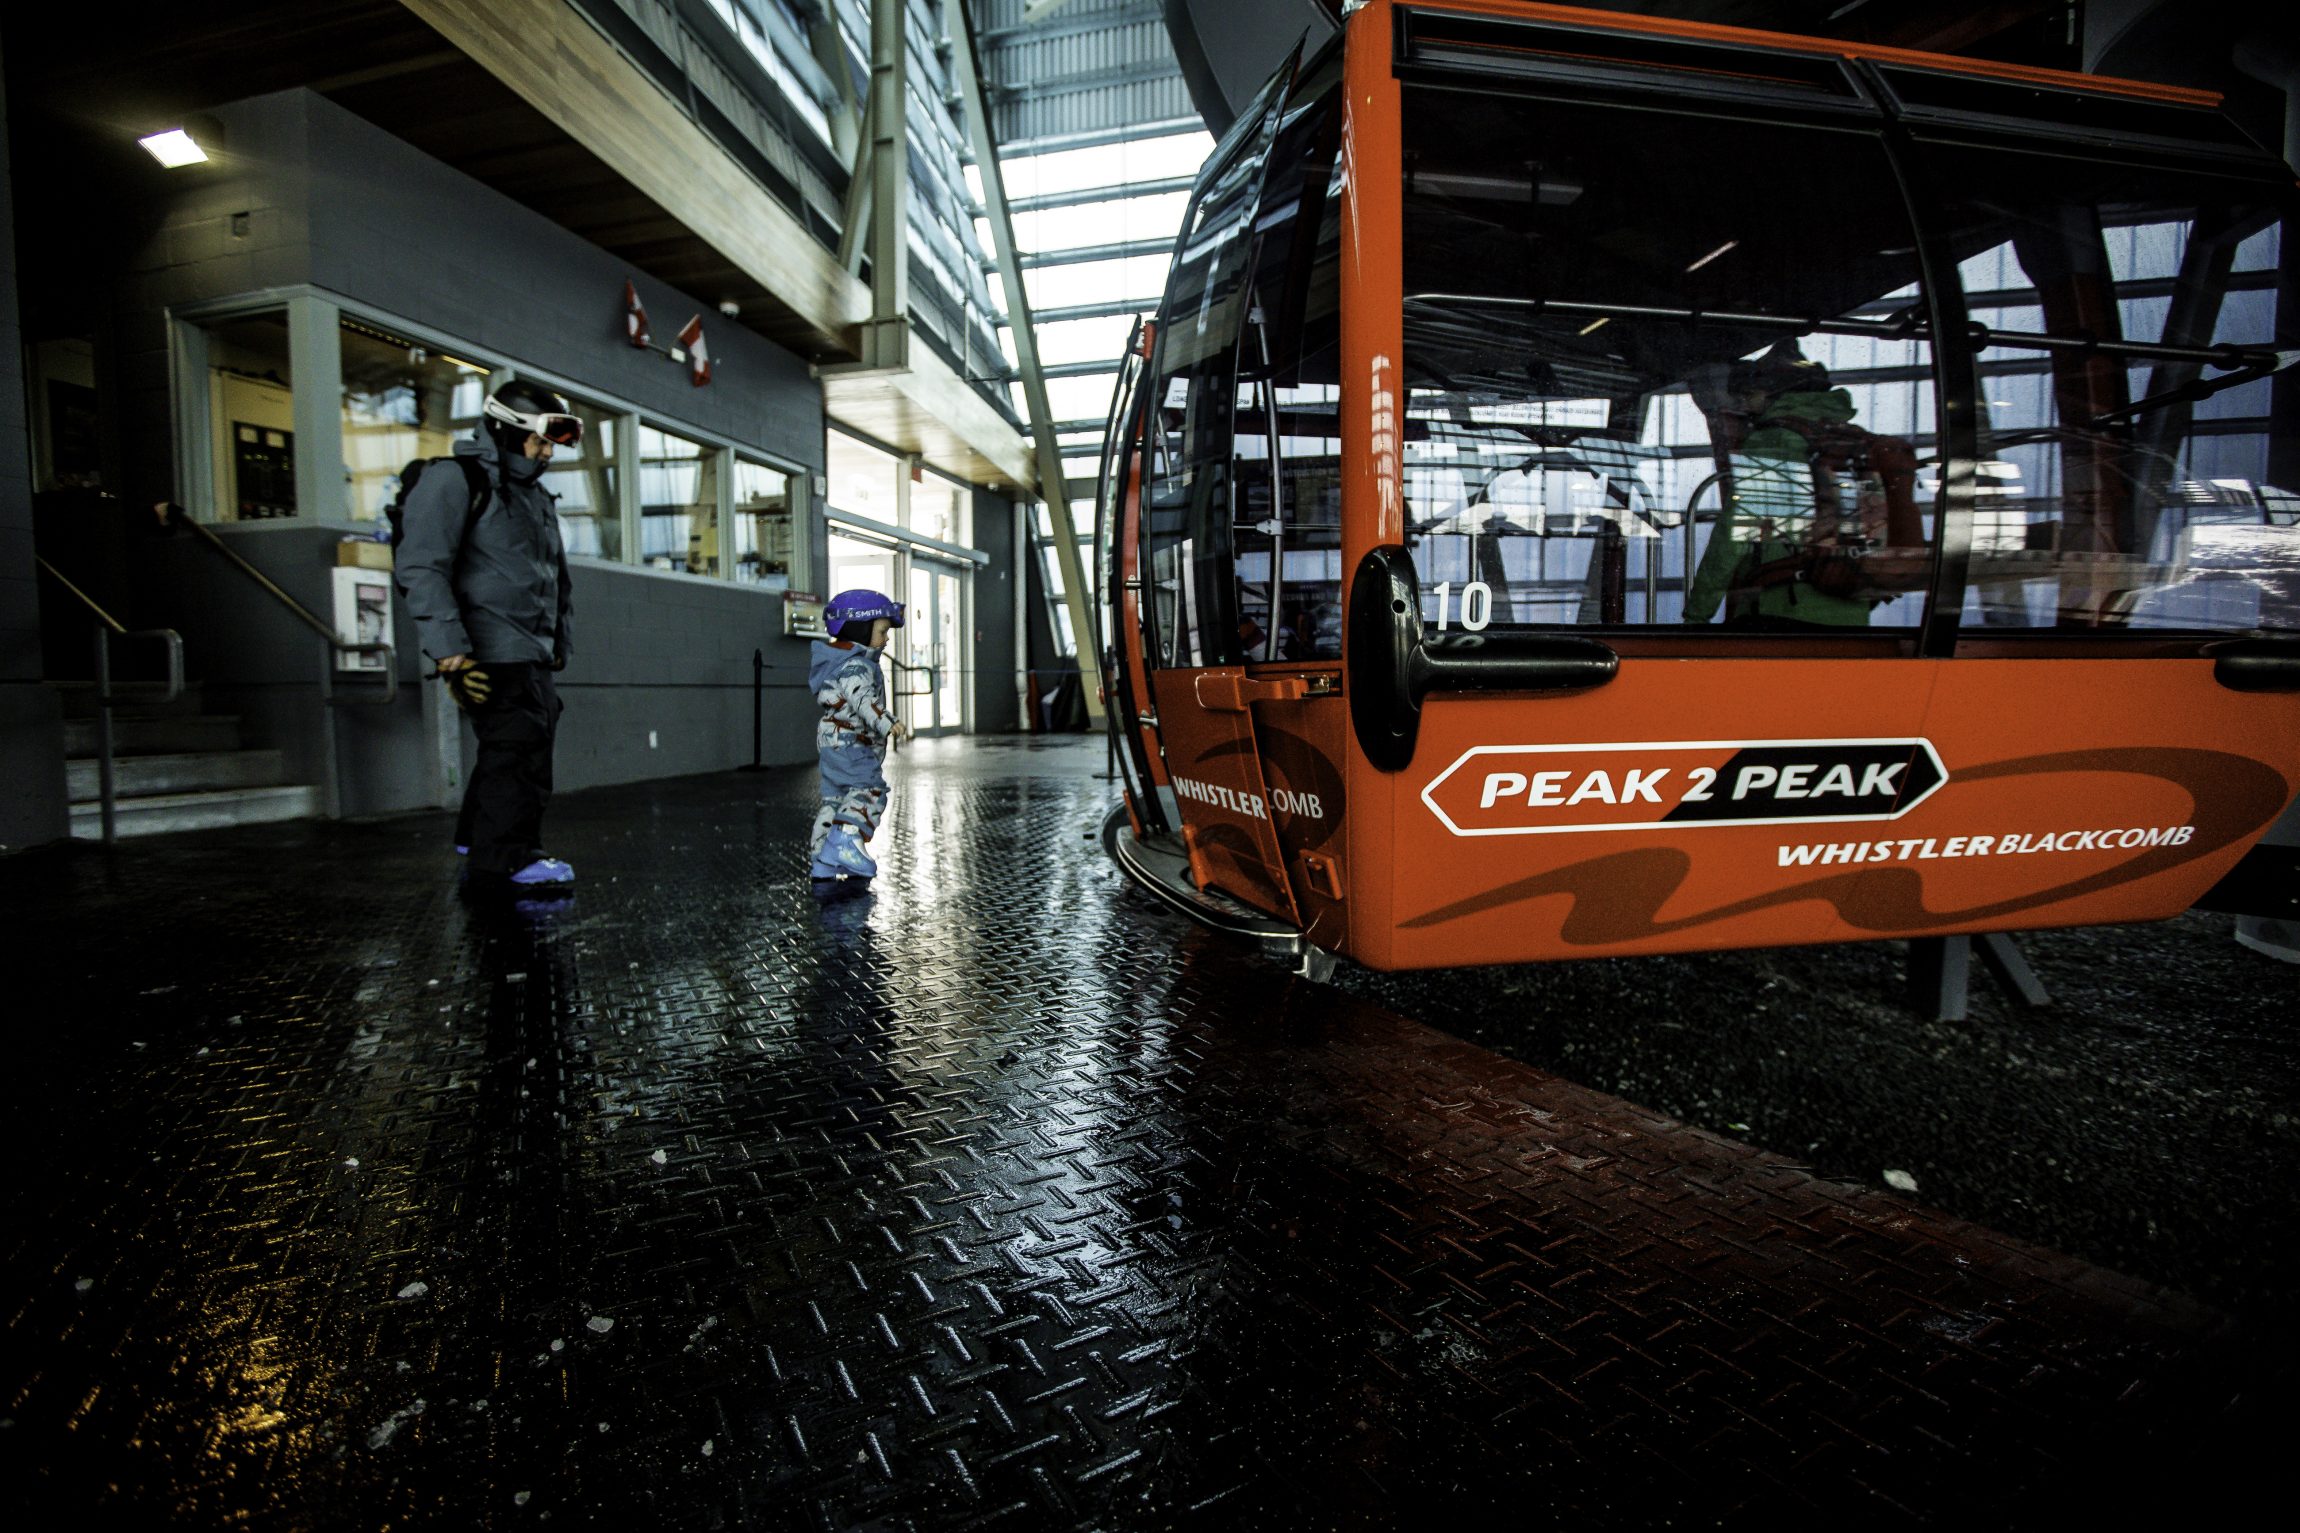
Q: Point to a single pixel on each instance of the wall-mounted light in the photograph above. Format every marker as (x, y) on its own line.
(174, 148)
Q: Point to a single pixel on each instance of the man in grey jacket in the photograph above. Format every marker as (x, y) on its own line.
(485, 575)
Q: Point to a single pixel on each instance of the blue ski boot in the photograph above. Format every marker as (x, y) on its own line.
(543, 873)
(842, 860)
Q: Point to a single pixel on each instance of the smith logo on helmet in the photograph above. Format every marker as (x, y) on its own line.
(1531, 790)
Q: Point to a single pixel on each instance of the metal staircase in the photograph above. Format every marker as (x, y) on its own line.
(175, 767)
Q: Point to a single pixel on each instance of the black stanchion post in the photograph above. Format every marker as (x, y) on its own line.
(758, 709)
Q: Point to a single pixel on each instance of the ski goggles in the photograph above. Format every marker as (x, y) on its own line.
(559, 430)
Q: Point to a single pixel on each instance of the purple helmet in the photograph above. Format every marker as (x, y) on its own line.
(860, 607)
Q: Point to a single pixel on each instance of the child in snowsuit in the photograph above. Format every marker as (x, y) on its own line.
(857, 727)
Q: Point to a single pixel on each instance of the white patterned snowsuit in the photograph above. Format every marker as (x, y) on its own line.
(850, 740)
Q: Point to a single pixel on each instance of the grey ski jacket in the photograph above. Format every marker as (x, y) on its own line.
(502, 595)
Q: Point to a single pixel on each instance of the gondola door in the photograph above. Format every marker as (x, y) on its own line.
(2123, 713)
(1196, 636)
(1641, 518)
(1131, 713)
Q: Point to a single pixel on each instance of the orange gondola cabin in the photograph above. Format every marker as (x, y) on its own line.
(1600, 486)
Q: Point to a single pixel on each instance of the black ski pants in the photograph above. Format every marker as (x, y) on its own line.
(503, 804)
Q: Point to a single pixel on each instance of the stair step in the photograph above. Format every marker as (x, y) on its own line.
(193, 772)
(164, 812)
(152, 737)
(79, 702)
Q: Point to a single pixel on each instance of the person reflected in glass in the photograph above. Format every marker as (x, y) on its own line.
(1807, 495)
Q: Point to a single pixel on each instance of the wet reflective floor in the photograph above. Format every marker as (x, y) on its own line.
(996, 1198)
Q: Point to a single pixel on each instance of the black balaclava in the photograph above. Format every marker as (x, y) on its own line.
(511, 442)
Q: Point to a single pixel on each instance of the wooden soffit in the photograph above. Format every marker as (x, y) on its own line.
(556, 62)
(930, 410)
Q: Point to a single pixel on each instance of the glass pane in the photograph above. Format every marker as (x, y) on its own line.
(859, 566)
(949, 654)
(1587, 442)
(1112, 165)
(938, 507)
(862, 479)
(251, 413)
(1123, 217)
(766, 537)
(1289, 551)
(584, 477)
(914, 642)
(2122, 491)
(1189, 504)
(401, 402)
(678, 503)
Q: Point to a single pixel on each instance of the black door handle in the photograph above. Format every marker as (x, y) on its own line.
(2256, 665)
(1394, 665)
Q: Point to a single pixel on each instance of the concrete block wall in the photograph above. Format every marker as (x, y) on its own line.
(184, 251)
(32, 803)
(395, 228)
(660, 684)
(334, 201)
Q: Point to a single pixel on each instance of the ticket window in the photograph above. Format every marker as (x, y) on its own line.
(678, 502)
(765, 526)
(402, 401)
(251, 413)
(587, 481)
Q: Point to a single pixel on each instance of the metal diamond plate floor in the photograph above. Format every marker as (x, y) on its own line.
(999, 1198)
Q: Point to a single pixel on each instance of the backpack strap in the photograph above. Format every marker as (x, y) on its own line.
(475, 480)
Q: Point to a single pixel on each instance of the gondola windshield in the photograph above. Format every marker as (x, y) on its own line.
(1617, 383)
(1714, 402)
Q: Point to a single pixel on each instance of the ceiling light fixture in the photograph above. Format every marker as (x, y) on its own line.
(174, 148)
(1712, 255)
(1601, 320)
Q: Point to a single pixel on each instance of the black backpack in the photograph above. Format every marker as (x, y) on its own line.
(474, 477)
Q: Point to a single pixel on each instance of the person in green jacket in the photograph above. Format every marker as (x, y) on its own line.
(1782, 502)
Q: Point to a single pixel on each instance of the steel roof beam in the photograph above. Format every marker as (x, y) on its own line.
(1093, 194)
(1079, 255)
(1052, 483)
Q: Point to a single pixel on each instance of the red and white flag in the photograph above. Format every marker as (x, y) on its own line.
(635, 317)
(698, 355)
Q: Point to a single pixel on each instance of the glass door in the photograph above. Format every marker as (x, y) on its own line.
(934, 647)
(950, 662)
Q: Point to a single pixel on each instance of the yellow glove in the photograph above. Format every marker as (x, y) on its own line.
(468, 685)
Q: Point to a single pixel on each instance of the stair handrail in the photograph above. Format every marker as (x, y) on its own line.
(174, 515)
(171, 689)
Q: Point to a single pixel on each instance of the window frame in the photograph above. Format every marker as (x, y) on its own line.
(313, 316)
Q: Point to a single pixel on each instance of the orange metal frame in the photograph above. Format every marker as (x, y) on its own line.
(1790, 42)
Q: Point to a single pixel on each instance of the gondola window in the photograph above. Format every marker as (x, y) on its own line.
(1190, 475)
(1631, 402)
(2133, 474)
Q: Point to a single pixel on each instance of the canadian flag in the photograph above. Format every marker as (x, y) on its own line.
(635, 317)
(698, 355)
